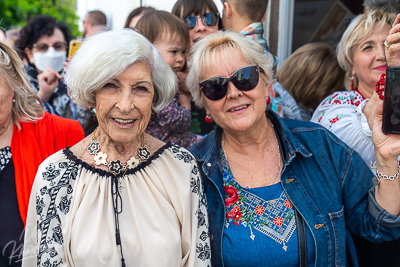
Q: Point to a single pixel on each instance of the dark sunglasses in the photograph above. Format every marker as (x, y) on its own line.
(244, 79)
(208, 19)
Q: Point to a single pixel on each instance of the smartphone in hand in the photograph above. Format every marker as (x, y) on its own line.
(391, 105)
(73, 47)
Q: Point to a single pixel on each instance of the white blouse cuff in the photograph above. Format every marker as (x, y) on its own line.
(362, 119)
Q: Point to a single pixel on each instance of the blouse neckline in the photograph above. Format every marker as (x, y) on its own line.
(69, 155)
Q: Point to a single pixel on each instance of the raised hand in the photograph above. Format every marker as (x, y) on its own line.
(48, 82)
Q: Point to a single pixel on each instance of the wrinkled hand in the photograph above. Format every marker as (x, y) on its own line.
(182, 82)
(393, 41)
(48, 82)
(387, 147)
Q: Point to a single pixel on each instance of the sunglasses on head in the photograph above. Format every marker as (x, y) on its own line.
(244, 79)
(208, 19)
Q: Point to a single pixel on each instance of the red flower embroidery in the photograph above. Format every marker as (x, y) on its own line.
(232, 195)
(235, 209)
(259, 210)
(357, 103)
(288, 204)
(337, 101)
(278, 221)
(237, 216)
(229, 215)
(334, 120)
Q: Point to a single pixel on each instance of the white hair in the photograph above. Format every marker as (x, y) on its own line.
(228, 43)
(106, 55)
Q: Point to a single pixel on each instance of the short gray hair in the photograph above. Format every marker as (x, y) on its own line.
(205, 49)
(106, 55)
(389, 5)
(360, 28)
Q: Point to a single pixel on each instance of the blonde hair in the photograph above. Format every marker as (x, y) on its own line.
(311, 73)
(224, 42)
(358, 31)
(28, 106)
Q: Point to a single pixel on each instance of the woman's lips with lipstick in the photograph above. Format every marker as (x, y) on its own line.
(382, 67)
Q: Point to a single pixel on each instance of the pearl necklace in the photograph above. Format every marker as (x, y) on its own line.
(279, 161)
(115, 166)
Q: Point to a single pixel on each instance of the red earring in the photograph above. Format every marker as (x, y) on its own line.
(352, 83)
(268, 100)
(208, 119)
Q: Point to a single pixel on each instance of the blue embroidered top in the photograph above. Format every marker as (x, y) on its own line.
(257, 219)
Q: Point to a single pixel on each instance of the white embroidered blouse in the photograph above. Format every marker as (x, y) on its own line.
(162, 220)
(341, 113)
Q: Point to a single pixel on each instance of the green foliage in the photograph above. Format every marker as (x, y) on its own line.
(18, 12)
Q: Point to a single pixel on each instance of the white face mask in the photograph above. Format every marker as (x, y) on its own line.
(49, 59)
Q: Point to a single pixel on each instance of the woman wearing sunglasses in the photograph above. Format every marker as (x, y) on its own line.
(202, 19)
(281, 192)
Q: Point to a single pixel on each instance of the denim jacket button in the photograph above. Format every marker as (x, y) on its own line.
(211, 238)
(209, 164)
(289, 180)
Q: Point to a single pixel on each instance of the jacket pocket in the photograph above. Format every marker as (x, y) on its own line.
(339, 231)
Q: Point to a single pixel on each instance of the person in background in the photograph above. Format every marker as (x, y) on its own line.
(171, 38)
(11, 36)
(389, 5)
(311, 74)
(350, 114)
(202, 18)
(28, 135)
(246, 17)
(45, 43)
(95, 21)
(136, 14)
(282, 192)
(120, 197)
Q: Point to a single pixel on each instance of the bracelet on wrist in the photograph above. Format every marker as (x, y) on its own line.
(379, 175)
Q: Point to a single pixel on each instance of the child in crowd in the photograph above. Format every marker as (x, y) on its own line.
(171, 37)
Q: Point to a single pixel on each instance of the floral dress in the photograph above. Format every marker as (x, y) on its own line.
(260, 226)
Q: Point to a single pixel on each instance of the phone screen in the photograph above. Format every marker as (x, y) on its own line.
(391, 106)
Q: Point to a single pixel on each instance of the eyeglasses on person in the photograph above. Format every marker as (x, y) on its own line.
(58, 46)
(208, 19)
(244, 79)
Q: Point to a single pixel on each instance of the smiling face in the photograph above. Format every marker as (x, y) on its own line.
(123, 105)
(370, 61)
(172, 51)
(238, 111)
(201, 30)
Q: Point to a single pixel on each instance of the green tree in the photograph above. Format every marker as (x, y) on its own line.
(18, 12)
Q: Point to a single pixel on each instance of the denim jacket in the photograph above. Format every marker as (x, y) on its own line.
(327, 182)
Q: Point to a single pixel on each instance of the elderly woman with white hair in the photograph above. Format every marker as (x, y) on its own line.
(289, 186)
(119, 197)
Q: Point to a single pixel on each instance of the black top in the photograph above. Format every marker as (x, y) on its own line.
(11, 225)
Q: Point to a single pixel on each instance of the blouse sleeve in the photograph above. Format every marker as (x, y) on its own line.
(174, 117)
(341, 113)
(196, 250)
(49, 204)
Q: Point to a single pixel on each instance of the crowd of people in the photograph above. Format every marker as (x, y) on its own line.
(177, 141)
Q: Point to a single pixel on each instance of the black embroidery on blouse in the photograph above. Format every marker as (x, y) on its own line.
(5, 157)
(203, 251)
(67, 152)
(46, 241)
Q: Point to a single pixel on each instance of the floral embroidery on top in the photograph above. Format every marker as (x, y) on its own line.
(5, 157)
(274, 218)
(349, 98)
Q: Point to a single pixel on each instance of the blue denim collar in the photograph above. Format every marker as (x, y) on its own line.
(207, 151)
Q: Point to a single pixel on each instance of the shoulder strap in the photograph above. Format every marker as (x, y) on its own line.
(302, 238)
